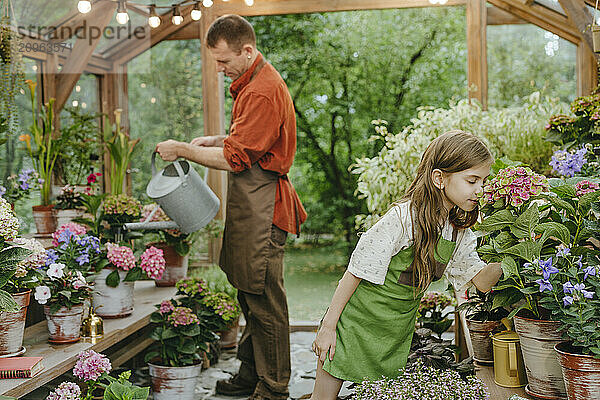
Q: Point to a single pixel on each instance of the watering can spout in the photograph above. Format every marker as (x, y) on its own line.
(155, 225)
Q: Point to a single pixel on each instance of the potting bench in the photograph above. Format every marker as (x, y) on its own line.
(123, 338)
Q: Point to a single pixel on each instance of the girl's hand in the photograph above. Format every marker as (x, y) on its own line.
(324, 342)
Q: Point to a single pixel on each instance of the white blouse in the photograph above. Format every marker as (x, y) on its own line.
(393, 233)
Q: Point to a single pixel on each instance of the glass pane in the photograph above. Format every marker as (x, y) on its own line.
(39, 15)
(552, 4)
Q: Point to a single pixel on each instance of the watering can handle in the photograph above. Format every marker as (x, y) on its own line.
(177, 167)
(512, 359)
(153, 163)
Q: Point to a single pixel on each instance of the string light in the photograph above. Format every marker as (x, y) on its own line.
(196, 14)
(207, 3)
(84, 6)
(177, 19)
(154, 19)
(249, 3)
(122, 16)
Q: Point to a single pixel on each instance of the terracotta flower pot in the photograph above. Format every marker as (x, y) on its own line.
(169, 383)
(581, 373)
(65, 216)
(112, 302)
(176, 266)
(12, 326)
(481, 339)
(43, 216)
(64, 325)
(229, 337)
(538, 338)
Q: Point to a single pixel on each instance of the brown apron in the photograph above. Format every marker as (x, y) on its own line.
(250, 208)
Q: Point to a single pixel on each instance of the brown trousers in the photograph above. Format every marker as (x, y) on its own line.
(264, 348)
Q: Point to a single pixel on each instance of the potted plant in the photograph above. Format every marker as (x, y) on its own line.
(431, 312)
(68, 205)
(483, 319)
(120, 147)
(93, 370)
(17, 187)
(114, 282)
(422, 382)
(63, 291)
(119, 209)
(175, 245)
(175, 358)
(43, 153)
(73, 246)
(19, 262)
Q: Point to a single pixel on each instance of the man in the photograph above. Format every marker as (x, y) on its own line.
(262, 205)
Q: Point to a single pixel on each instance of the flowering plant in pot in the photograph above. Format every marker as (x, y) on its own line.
(17, 187)
(63, 291)
(118, 210)
(73, 246)
(175, 358)
(431, 312)
(93, 369)
(116, 274)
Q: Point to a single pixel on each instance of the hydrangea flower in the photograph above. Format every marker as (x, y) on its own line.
(192, 287)
(433, 300)
(568, 163)
(153, 263)
(515, 185)
(166, 307)
(9, 224)
(34, 261)
(585, 187)
(122, 204)
(222, 305)
(42, 294)
(182, 316)
(90, 365)
(120, 256)
(65, 391)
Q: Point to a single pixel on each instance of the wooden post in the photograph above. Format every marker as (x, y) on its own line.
(587, 70)
(477, 51)
(214, 123)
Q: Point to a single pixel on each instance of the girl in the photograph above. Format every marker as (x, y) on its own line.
(368, 328)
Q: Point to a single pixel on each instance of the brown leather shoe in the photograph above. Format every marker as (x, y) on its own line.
(235, 386)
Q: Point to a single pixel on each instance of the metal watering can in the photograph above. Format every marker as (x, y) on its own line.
(183, 195)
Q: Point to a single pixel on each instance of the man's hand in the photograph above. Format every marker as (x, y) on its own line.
(168, 150)
(205, 141)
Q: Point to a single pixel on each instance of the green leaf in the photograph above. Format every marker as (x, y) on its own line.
(187, 347)
(168, 334)
(554, 229)
(65, 293)
(585, 202)
(7, 303)
(498, 220)
(156, 317)
(509, 267)
(192, 330)
(506, 298)
(140, 393)
(564, 191)
(516, 310)
(133, 274)
(527, 250)
(13, 255)
(525, 224)
(112, 280)
(503, 241)
(561, 204)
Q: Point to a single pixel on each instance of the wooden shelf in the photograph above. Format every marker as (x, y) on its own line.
(486, 374)
(59, 359)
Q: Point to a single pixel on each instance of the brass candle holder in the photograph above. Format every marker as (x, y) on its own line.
(92, 326)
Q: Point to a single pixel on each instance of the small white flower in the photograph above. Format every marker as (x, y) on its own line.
(55, 271)
(42, 294)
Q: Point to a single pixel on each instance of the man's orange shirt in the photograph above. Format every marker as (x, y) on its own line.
(263, 130)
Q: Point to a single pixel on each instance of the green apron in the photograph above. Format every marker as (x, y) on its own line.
(375, 330)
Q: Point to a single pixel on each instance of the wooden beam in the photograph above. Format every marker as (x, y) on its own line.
(477, 51)
(580, 17)
(80, 25)
(134, 45)
(496, 16)
(587, 70)
(213, 100)
(541, 16)
(190, 32)
(79, 58)
(276, 7)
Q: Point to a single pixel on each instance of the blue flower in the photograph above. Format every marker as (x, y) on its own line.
(567, 300)
(547, 268)
(83, 259)
(2, 190)
(587, 295)
(579, 263)
(590, 270)
(544, 284)
(567, 163)
(51, 257)
(568, 287)
(579, 287)
(563, 251)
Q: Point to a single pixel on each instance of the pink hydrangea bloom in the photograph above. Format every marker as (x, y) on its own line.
(120, 256)
(182, 316)
(91, 365)
(166, 306)
(585, 187)
(74, 227)
(65, 391)
(515, 185)
(153, 263)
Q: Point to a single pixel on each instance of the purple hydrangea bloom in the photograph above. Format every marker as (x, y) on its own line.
(91, 365)
(65, 391)
(544, 284)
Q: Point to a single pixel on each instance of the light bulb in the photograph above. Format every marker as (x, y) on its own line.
(122, 16)
(442, 1)
(177, 19)
(84, 6)
(249, 3)
(196, 15)
(207, 3)
(153, 20)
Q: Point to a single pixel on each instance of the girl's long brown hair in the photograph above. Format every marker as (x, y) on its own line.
(454, 151)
